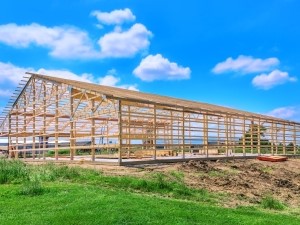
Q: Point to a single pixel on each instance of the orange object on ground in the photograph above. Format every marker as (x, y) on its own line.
(272, 158)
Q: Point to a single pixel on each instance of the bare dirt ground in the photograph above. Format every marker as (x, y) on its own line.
(244, 182)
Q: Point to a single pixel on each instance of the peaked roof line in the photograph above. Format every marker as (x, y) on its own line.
(154, 98)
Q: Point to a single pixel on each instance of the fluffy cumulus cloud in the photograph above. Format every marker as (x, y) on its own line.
(283, 112)
(245, 64)
(274, 78)
(85, 77)
(63, 42)
(289, 112)
(11, 75)
(125, 43)
(113, 81)
(69, 42)
(115, 17)
(156, 67)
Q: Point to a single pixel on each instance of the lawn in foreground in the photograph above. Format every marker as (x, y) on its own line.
(77, 203)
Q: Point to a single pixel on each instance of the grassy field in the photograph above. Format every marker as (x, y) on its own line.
(51, 194)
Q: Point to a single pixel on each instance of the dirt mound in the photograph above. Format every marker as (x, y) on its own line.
(247, 179)
(242, 181)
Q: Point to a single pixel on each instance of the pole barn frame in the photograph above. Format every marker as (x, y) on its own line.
(58, 119)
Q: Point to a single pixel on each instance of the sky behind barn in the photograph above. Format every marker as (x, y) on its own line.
(240, 54)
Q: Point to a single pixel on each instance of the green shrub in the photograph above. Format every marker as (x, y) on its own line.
(32, 187)
(60, 152)
(12, 171)
(269, 202)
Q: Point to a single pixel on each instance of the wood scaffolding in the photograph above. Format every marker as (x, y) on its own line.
(53, 119)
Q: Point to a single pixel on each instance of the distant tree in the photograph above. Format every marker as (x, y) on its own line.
(257, 132)
(290, 146)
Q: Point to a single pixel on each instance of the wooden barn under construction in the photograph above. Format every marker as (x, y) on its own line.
(52, 118)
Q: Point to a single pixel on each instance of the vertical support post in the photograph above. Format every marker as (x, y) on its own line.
(44, 118)
(17, 132)
(154, 131)
(276, 137)
(284, 140)
(226, 133)
(56, 122)
(190, 133)
(233, 146)
(218, 133)
(294, 139)
(93, 129)
(183, 134)
(251, 135)
(129, 131)
(34, 116)
(10, 146)
(230, 136)
(205, 130)
(120, 130)
(24, 127)
(272, 139)
(258, 138)
(72, 127)
(171, 130)
(244, 136)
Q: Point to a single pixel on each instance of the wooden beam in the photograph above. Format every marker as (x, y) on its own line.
(120, 131)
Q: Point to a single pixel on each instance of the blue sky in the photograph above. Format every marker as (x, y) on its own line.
(240, 54)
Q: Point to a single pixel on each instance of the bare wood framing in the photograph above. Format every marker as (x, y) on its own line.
(90, 122)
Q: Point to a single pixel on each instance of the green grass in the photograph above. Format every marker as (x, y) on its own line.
(88, 204)
(269, 202)
(52, 194)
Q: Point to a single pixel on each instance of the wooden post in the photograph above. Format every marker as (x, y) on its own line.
(284, 143)
(205, 134)
(34, 116)
(56, 122)
(24, 127)
(276, 137)
(183, 135)
(93, 130)
(17, 132)
(258, 138)
(272, 139)
(251, 135)
(72, 127)
(120, 131)
(294, 139)
(10, 145)
(244, 136)
(226, 132)
(154, 131)
(218, 134)
(171, 129)
(129, 131)
(44, 119)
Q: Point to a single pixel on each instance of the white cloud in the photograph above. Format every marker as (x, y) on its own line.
(125, 43)
(115, 17)
(111, 80)
(283, 112)
(245, 64)
(10, 75)
(155, 67)
(288, 112)
(72, 43)
(276, 77)
(85, 77)
(63, 42)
